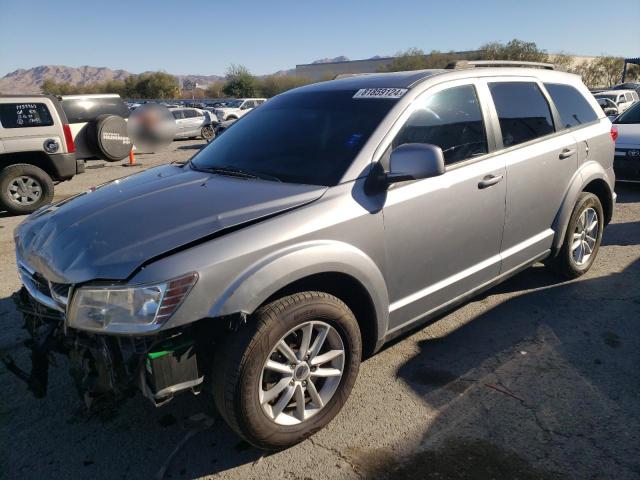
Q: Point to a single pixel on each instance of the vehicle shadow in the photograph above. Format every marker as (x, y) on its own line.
(628, 192)
(543, 385)
(198, 146)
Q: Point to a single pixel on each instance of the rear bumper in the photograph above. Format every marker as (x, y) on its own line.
(64, 165)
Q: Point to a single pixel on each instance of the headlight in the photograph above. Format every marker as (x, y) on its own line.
(135, 309)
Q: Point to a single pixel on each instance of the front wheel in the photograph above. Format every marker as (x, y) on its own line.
(287, 373)
(24, 188)
(582, 238)
(207, 132)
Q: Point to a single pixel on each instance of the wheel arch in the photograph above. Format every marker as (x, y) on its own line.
(590, 178)
(329, 266)
(37, 159)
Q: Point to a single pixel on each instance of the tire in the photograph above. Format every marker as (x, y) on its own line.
(207, 132)
(240, 372)
(568, 262)
(13, 181)
(108, 137)
(230, 118)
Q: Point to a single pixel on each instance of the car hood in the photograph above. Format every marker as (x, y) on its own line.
(628, 134)
(108, 232)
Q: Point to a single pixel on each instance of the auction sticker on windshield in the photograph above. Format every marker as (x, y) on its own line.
(380, 93)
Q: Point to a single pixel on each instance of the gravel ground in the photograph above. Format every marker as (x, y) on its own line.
(538, 378)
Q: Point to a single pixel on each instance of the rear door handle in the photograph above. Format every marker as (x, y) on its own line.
(567, 152)
(490, 180)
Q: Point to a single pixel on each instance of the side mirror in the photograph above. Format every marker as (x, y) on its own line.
(413, 161)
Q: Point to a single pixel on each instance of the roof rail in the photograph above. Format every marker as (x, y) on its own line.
(460, 64)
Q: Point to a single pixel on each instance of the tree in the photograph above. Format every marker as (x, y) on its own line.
(416, 59)
(609, 69)
(272, 85)
(514, 50)
(214, 90)
(151, 85)
(239, 82)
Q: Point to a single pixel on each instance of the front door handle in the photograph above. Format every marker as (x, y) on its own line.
(567, 152)
(490, 180)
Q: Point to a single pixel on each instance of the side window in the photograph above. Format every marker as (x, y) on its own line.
(20, 115)
(189, 113)
(177, 114)
(572, 106)
(450, 119)
(523, 111)
(628, 97)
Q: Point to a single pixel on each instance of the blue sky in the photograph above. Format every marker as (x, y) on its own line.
(205, 36)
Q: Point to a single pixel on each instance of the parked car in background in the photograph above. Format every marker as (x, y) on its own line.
(222, 127)
(234, 109)
(36, 149)
(98, 125)
(622, 98)
(193, 122)
(628, 86)
(328, 222)
(608, 106)
(627, 156)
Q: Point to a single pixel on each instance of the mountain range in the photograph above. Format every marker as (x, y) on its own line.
(30, 80)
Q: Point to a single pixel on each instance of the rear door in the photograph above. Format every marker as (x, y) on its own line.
(540, 164)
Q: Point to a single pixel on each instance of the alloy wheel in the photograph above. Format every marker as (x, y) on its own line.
(585, 236)
(302, 373)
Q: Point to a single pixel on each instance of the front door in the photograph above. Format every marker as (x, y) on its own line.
(443, 234)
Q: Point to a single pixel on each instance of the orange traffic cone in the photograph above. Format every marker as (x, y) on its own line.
(132, 160)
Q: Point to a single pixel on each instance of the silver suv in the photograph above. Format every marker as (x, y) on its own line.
(334, 218)
(36, 149)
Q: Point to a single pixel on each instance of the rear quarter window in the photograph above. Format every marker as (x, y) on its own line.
(574, 109)
(523, 111)
(22, 115)
(80, 110)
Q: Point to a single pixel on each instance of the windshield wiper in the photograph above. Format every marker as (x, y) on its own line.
(238, 172)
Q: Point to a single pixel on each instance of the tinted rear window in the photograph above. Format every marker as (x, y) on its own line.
(523, 111)
(573, 107)
(80, 110)
(21, 115)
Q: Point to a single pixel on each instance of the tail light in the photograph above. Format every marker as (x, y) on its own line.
(68, 138)
(614, 133)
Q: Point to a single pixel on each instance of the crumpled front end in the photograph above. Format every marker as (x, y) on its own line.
(109, 368)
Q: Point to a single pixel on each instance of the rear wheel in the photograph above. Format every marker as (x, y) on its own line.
(24, 188)
(287, 373)
(582, 238)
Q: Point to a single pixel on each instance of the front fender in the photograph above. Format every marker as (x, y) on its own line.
(264, 278)
(587, 173)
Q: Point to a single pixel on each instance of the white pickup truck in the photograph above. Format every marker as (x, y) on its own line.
(234, 109)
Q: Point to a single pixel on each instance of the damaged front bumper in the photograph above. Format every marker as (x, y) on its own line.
(109, 368)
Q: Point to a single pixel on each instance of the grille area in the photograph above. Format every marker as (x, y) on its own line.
(52, 295)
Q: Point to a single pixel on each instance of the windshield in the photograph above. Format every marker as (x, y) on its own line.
(300, 137)
(631, 115)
